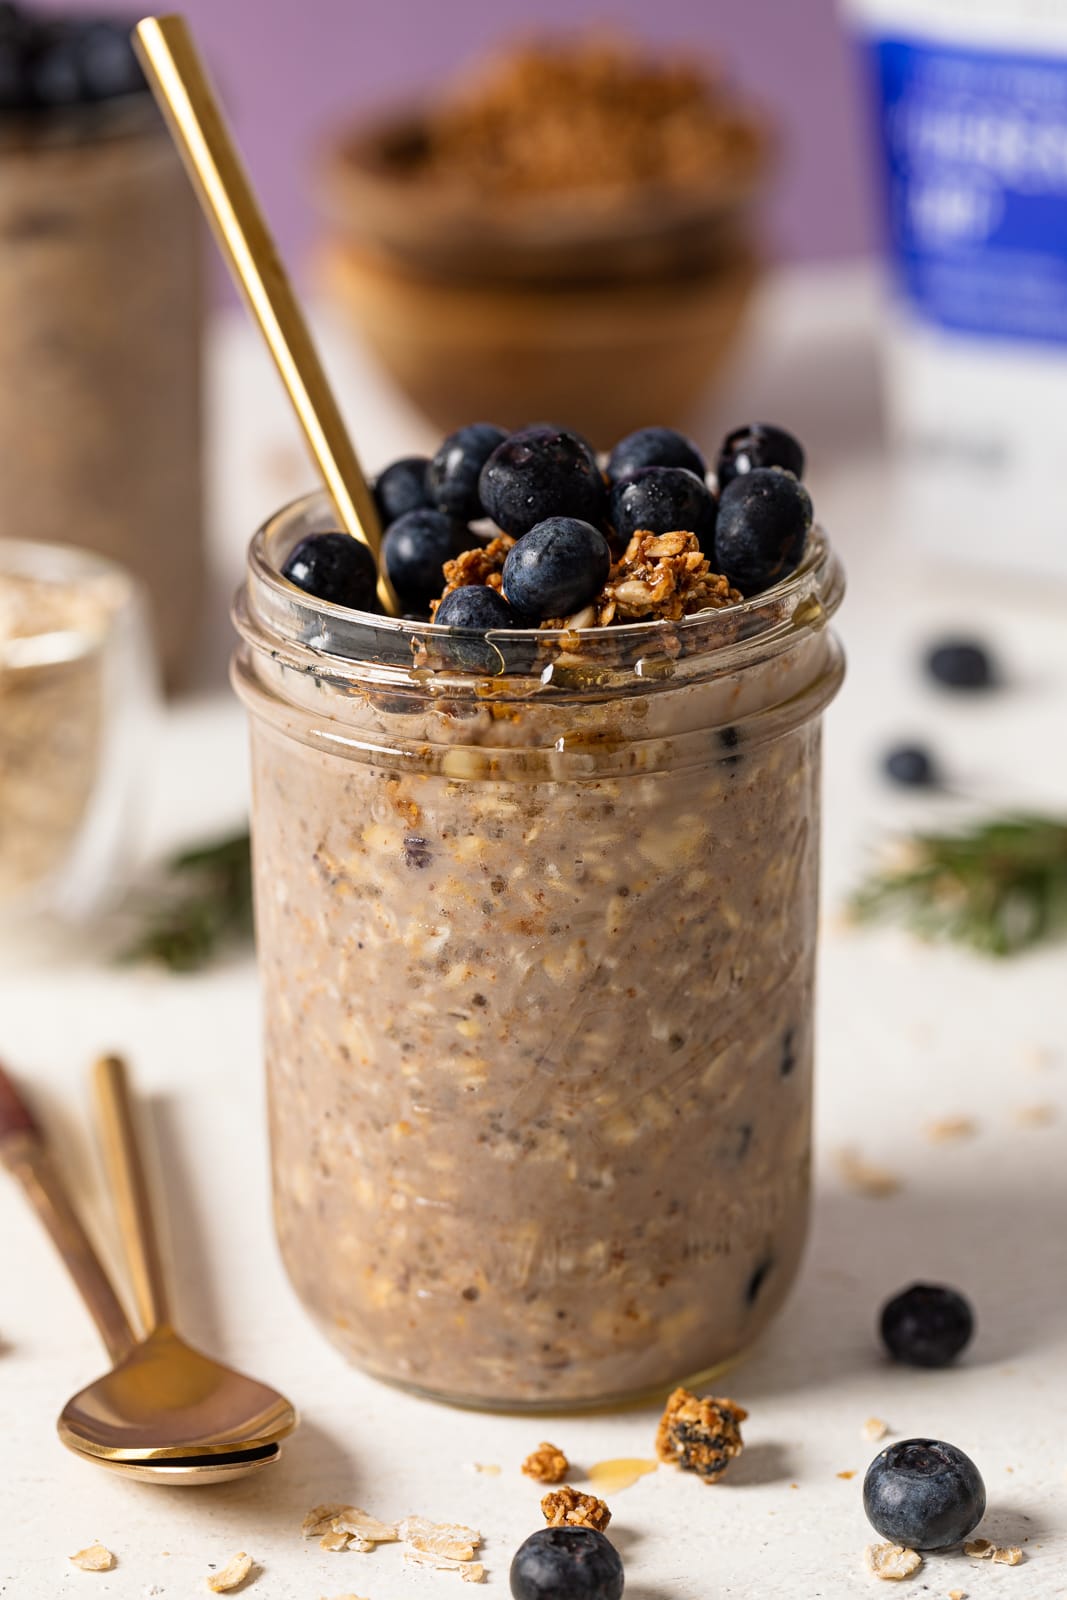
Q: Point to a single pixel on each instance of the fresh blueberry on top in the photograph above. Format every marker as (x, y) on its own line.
(764, 520)
(923, 1494)
(654, 447)
(663, 500)
(109, 66)
(910, 765)
(961, 664)
(539, 473)
(335, 567)
(415, 549)
(557, 568)
(927, 1325)
(475, 606)
(402, 487)
(452, 476)
(758, 444)
(567, 1564)
(53, 67)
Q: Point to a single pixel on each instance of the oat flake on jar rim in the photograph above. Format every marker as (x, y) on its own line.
(537, 953)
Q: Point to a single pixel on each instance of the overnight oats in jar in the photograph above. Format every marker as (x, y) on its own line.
(536, 917)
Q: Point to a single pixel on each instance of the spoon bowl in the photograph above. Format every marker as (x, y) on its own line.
(191, 1471)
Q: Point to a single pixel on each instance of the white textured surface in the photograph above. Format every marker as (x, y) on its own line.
(907, 1035)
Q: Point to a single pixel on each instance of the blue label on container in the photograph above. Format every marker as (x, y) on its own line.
(975, 149)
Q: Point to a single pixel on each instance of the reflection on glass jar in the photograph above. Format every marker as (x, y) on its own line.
(537, 957)
(76, 697)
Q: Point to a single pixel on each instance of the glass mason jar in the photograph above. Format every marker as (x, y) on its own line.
(536, 929)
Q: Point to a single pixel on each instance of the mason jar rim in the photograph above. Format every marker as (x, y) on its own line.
(333, 641)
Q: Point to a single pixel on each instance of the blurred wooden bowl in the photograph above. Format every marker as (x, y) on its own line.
(604, 358)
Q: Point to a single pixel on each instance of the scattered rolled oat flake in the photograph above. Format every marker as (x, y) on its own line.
(982, 1549)
(546, 1464)
(1040, 1116)
(874, 1428)
(363, 1527)
(488, 1469)
(232, 1575)
(700, 1435)
(1007, 1555)
(469, 1571)
(333, 1539)
(94, 1558)
(320, 1520)
(865, 1177)
(451, 1540)
(892, 1561)
(947, 1129)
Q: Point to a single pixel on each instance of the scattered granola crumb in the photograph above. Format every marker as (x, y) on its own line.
(94, 1558)
(874, 1428)
(865, 1177)
(702, 1436)
(957, 1594)
(892, 1561)
(1040, 1116)
(1007, 1555)
(546, 1464)
(947, 1129)
(568, 1508)
(849, 1474)
(663, 575)
(232, 1575)
(982, 1549)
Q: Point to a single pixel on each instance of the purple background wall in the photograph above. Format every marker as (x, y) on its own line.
(291, 68)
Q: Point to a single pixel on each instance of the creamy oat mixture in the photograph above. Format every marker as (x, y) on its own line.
(538, 987)
(51, 717)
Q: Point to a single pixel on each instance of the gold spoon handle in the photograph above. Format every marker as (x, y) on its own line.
(181, 86)
(129, 1187)
(23, 1153)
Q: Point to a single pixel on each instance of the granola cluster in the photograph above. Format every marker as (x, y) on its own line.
(700, 1435)
(483, 564)
(546, 1464)
(568, 1508)
(588, 113)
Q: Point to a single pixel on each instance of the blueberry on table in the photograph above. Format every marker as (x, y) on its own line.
(567, 1564)
(556, 569)
(663, 500)
(475, 606)
(923, 1494)
(452, 476)
(961, 664)
(764, 521)
(911, 766)
(415, 549)
(654, 447)
(402, 487)
(757, 444)
(335, 567)
(539, 473)
(927, 1325)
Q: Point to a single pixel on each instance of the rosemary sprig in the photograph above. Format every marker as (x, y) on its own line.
(204, 908)
(998, 886)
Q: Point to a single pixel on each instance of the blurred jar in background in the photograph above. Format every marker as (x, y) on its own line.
(568, 232)
(100, 317)
(77, 696)
(970, 112)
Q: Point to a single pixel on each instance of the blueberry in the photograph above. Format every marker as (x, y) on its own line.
(927, 1325)
(452, 476)
(557, 568)
(910, 765)
(663, 500)
(108, 65)
(401, 488)
(54, 67)
(475, 606)
(336, 567)
(654, 447)
(539, 473)
(764, 520)
(961, 664)
(758, 444)
(923, 1494)
(567, 1564)
(415, 549)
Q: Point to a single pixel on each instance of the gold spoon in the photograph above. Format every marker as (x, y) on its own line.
(165, 1413)
(177, 78)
